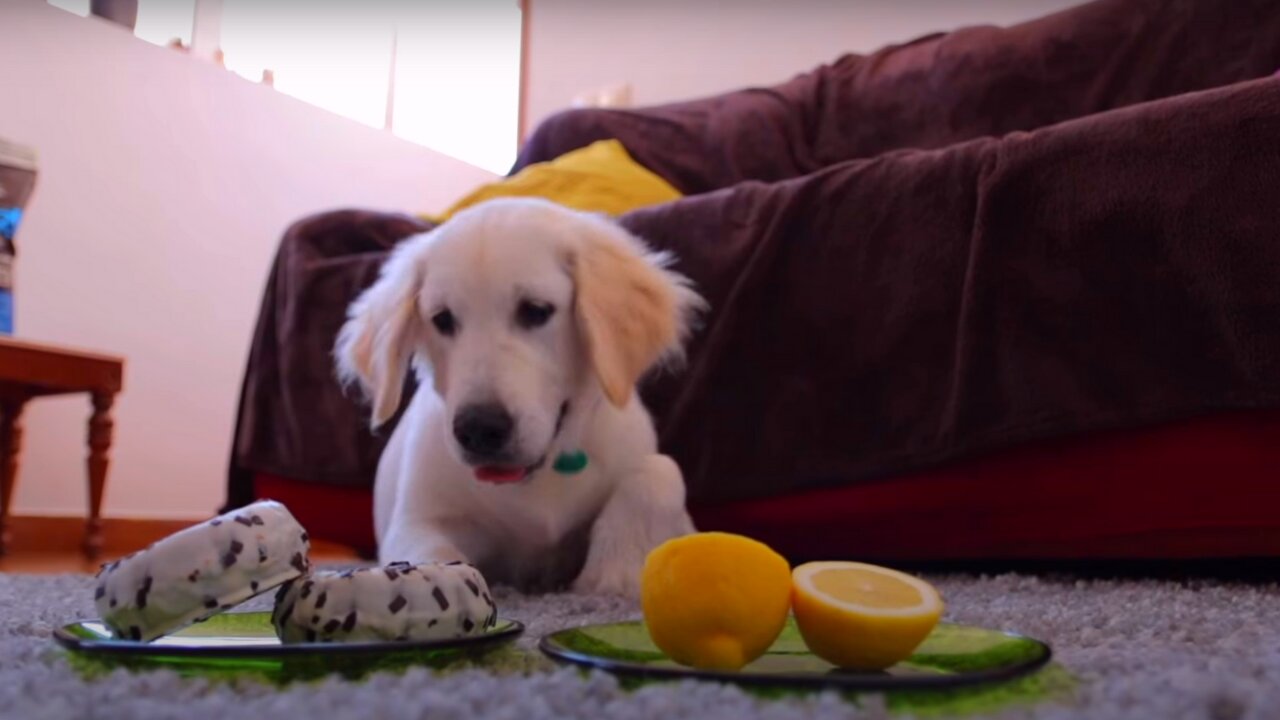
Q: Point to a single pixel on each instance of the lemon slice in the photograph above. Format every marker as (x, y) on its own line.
(860, 616)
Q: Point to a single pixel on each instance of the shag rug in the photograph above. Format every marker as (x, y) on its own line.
(1123, 649)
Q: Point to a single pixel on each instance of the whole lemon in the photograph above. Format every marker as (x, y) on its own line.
(715, 601)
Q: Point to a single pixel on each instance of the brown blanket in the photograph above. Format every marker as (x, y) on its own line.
(884, 315)
(938, 90)
(948, 247)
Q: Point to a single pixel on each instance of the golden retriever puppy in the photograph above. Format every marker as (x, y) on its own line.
(525, 450)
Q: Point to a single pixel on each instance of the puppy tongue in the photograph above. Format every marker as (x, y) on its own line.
(498, 474)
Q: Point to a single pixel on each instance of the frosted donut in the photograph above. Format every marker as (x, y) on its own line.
(201, 571)
(396, 602)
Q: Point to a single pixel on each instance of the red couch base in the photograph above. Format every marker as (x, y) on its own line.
(1201, 489)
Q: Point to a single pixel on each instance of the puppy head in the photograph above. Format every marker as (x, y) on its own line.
(521, 314)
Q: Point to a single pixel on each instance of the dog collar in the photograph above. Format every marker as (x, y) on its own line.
(570, 463)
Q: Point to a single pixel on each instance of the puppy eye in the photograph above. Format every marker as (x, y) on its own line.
(445, 323)
(532, 314)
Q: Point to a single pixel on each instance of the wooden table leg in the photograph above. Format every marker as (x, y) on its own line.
(100, 431)
(10, 446)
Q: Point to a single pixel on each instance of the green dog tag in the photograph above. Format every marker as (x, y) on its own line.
(570, 463)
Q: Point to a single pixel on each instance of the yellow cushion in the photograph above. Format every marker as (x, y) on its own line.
(600, 177)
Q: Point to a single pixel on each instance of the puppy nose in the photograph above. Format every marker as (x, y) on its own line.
(483, 429)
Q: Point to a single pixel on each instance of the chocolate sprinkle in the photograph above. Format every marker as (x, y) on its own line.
(262, 554)
(350, 622)
(97, 594)
(244, 521)
(298, 562)
(467, 625)
(228, 560)
(195, 575)
(311, 635)
(332, 625)
(397, 605)
(433, 623)
(475, 589)
(440, 599)
(315, 619)
(391, 574)
(305, 536)
(135, 633)
(215, 523)
(321, 598)
(237, 547)
(253, 586)
(306, 589)
(210, 602)
(141, 599)
(113, 602)
(257, 520)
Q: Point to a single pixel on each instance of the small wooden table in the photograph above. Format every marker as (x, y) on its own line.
(30, 370)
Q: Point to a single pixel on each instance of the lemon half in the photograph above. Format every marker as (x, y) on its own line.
(713, 600)
(860, 616)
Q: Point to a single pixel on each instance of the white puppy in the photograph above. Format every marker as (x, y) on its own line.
(528, 326)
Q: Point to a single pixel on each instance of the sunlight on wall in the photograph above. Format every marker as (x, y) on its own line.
(79, 7)
(162, 21)
(335, 56)
(458, 80)
(159, 21)
(438, 73)
(456, 74)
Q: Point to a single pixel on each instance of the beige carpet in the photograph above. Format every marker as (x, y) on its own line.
(1140, 650)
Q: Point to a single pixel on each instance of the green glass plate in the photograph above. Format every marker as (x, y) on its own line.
(952, 656)
(236, 643)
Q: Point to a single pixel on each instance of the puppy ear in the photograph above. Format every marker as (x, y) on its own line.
(631, 311)
(375, 345)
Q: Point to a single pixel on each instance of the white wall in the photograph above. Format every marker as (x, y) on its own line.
(679, 49)
(164, 185)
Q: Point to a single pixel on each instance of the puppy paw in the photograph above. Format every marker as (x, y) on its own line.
(420, 550)
(621, 581)
(646, 510)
